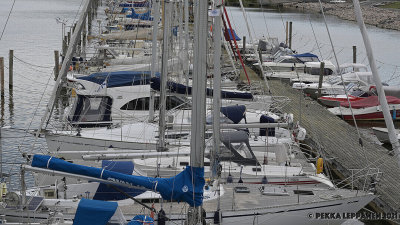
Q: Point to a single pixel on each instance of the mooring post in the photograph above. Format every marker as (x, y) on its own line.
(11, 69)
(287, 33)
(244, 45)
(69, 37)
(2, 76)
(354, 54)
(290, 34)
(56, 64)
(321, 78)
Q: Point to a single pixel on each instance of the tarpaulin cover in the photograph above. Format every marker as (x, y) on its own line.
(120, 78)
(183, 89)
(141, 220)
(235, 112)
(305, 55)
(142, 16)
(187, 186)
(94, 212)
(135, 4)
(370, 102)
(106, 193)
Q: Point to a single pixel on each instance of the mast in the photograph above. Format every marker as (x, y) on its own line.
(186, 52)
(199, 96)
(381, 93)
(216, 13)
(164, 73)
(154, 56)
(66, 62)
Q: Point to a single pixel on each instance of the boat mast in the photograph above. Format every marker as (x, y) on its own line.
(197, 142)
(65, 65)
(154, 56)
(381, 93)
(216, 14)
(164, 73)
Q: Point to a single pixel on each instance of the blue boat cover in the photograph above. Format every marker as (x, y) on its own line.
(94, 212)
(234, 33)
(183, 89)
(142, 16)
(106, 193)
(120, 78)
(305, 55)
(135, 4)
(187, 186)
(235, 112)
(263, 131)
(141, 220)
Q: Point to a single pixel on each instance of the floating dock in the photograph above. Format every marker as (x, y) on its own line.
(338, 142)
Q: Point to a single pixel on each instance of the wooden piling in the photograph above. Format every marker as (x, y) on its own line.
(321, 78)
(56, 64)
(68, 37)
(290, 34)
(11, 69)
(244, 45)
(64, 46)
(354, 54)
(2, 76)
(287, 33)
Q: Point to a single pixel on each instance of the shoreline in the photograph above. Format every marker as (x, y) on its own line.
(379, 17)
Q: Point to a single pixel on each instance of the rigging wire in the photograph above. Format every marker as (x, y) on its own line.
(8, 17)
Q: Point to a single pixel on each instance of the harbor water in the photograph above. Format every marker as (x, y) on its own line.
(34, 31)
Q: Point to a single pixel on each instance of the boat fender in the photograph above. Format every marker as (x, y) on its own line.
(3, 190)
(73, 93)
(320, 165)
(217, 216)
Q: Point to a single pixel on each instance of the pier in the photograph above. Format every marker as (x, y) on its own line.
(339, 144)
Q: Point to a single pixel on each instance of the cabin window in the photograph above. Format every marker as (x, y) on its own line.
(142, 104)
(303, 192)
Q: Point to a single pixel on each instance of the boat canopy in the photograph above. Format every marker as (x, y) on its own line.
(183, 89)
(142, 16)
(370, 102)
(235, 112)
(135, 4)
(306, 57)
(94, 212)
(120, 78)
(187, 186)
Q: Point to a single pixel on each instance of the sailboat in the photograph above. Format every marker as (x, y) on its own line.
(230, 204)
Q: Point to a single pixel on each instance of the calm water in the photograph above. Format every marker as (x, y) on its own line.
(33, 33)
(345, 34)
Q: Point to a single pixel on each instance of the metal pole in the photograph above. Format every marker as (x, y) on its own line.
(217, 83)
(381, 93)
(197, 143)
(164, 74)
(154, 56)
(11, 69)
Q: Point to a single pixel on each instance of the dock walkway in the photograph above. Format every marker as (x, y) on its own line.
(339, 143)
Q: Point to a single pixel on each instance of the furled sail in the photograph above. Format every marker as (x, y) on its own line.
(187, 186)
